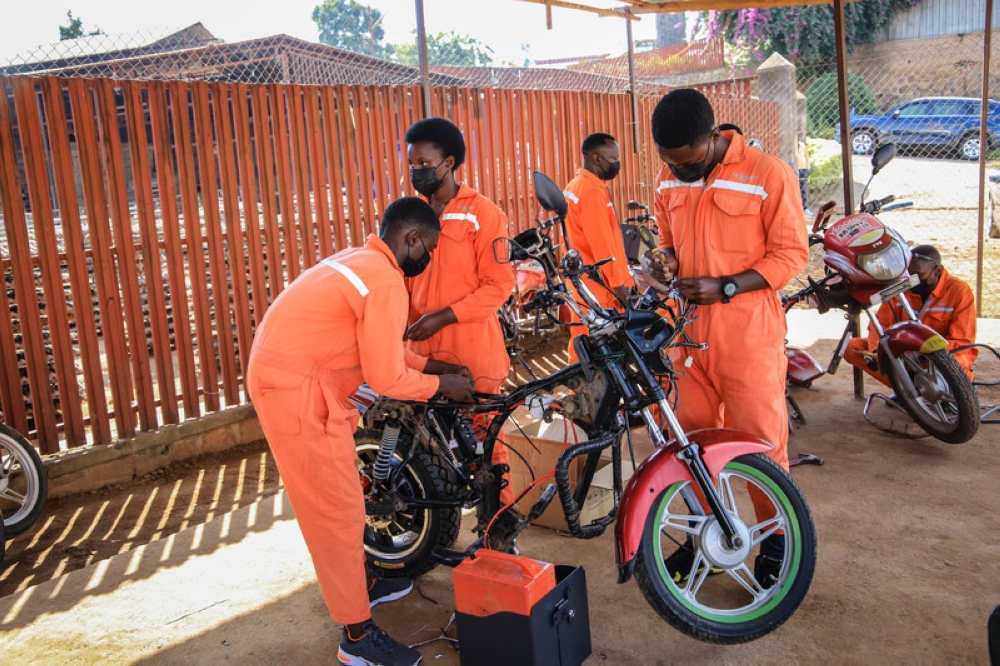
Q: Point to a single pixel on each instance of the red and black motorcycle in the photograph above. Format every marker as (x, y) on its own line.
(866, 264)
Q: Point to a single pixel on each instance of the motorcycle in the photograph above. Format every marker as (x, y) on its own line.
(866, 264)
(24, 485)
(421, 463)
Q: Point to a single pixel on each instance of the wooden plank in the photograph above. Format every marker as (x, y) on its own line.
(347, 111)
(163, 159)
(152, 269)
(332, 103)
(223, 351)
(299, 161)
(318, 171)
(362, 115)
(290, 242)
(20, 268)
(262, 115)
(236, 280)
(386, 151)
(56, 320)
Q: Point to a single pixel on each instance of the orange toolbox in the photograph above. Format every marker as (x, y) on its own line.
(492, 582)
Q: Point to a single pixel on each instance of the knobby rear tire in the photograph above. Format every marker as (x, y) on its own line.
(721, 608)
(24, 484)
(402, 545)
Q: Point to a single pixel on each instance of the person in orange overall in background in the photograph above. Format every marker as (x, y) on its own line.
(337, 325)
(454, 303)
(592, 226)
(733, 233)
(941, 301)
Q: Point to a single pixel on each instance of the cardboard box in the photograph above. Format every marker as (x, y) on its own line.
(547, 442)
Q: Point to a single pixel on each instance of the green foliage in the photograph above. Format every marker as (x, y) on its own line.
(821, 103)
(448, 49)
(347, 24)
(74, 29)
(803, 34)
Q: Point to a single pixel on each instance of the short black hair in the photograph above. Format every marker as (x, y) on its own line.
(682, 118)
(927, 252)
(406, 212)
(596, 140)
(443, 133)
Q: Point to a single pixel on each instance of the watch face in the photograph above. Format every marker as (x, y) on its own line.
(729, 288)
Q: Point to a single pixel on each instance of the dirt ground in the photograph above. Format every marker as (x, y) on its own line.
(908, 571)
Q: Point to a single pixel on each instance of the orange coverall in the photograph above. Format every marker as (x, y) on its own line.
(592, 228)
(337, 325)
(950, 310)
(747, 216)
(464, 274)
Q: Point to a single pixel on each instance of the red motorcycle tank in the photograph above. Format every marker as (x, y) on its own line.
(869, 255)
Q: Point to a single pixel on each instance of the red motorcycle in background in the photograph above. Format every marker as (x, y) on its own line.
(867, 265)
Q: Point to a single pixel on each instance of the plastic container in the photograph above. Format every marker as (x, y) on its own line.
(495, 582)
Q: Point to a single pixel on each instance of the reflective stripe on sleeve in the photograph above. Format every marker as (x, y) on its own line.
(358, 283)
(462, 216)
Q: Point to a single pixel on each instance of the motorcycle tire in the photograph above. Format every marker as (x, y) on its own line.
(725, 601)
(24, 484)
(953, 416)
(402, 543)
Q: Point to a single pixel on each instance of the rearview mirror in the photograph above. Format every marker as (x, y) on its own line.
(549, 195)
(635, 205)
(883, 156)
(506, 250)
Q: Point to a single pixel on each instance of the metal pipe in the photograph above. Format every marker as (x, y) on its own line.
(632, 86)
(983, 147)
(425, 80)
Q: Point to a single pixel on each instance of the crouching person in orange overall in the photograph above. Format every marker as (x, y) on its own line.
(732, 231)
(337, 325)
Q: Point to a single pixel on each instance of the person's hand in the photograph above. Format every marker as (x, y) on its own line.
(436, 367)
(662, 265)
(457, 387)
(623, 293)
(647, 274)
(701, 290)
(429, 324)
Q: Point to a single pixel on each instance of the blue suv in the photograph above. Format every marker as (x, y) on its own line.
(949, 123)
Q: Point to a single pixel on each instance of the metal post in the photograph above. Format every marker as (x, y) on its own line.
(425, 81)
(983, 146)
(632, 86)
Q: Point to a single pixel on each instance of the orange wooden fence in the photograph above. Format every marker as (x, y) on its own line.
(146, 226)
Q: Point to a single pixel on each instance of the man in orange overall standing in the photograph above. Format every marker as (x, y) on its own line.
(592, 226)
(454, 303)
(337, 325)
(733, 233)
(941, 301)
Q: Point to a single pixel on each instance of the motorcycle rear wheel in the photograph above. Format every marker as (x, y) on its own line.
(732, 606)
(402, 543)
(946, 405)
(24, 484)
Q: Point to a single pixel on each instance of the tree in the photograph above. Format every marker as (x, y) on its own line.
(347, 24)
(74, 30)
(448, 49)
(803, 34)
(823, 110)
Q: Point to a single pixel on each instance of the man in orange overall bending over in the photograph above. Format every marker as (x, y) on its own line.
(592, 224)
(941, 301)
(337, 325)
(454, 303)
(733, 233)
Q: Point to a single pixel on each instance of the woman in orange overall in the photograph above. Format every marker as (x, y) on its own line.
(337, 325)
(732, 231)
(454, 303)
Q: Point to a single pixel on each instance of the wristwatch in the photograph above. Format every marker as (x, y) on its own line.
(729, 289)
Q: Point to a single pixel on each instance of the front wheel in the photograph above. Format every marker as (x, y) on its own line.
(945, 405)
(863, 142)
(968, 147)
(24, 486)
(400, 540)
(730, 594)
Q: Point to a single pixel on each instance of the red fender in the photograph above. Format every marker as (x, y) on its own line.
(662, 469)
(914, 336)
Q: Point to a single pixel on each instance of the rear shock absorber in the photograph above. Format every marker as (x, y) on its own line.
(386, 449)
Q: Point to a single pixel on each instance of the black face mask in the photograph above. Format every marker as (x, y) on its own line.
(923, 290)
(692, 172)
(613, 169)
(425, 180)
(413, 267)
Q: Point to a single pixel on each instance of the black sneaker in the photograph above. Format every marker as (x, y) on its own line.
(381, 590)
(767, 564)
(679, 564)
(375, 648)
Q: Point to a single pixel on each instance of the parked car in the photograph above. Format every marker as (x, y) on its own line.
(948, 123)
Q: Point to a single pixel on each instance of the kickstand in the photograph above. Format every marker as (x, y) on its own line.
(442, 637)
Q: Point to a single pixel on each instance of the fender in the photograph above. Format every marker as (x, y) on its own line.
(912, 336)
(660, 471)
(802, 367)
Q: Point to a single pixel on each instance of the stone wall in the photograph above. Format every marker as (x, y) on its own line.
(943, 66)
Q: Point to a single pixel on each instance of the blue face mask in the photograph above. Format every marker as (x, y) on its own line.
(693, 172)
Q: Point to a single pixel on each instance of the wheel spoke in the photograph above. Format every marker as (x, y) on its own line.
(766, 528)
(688, 523)
(9, 493)
(726, 493)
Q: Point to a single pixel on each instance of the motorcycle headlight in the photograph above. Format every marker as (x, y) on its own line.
(885, 264)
